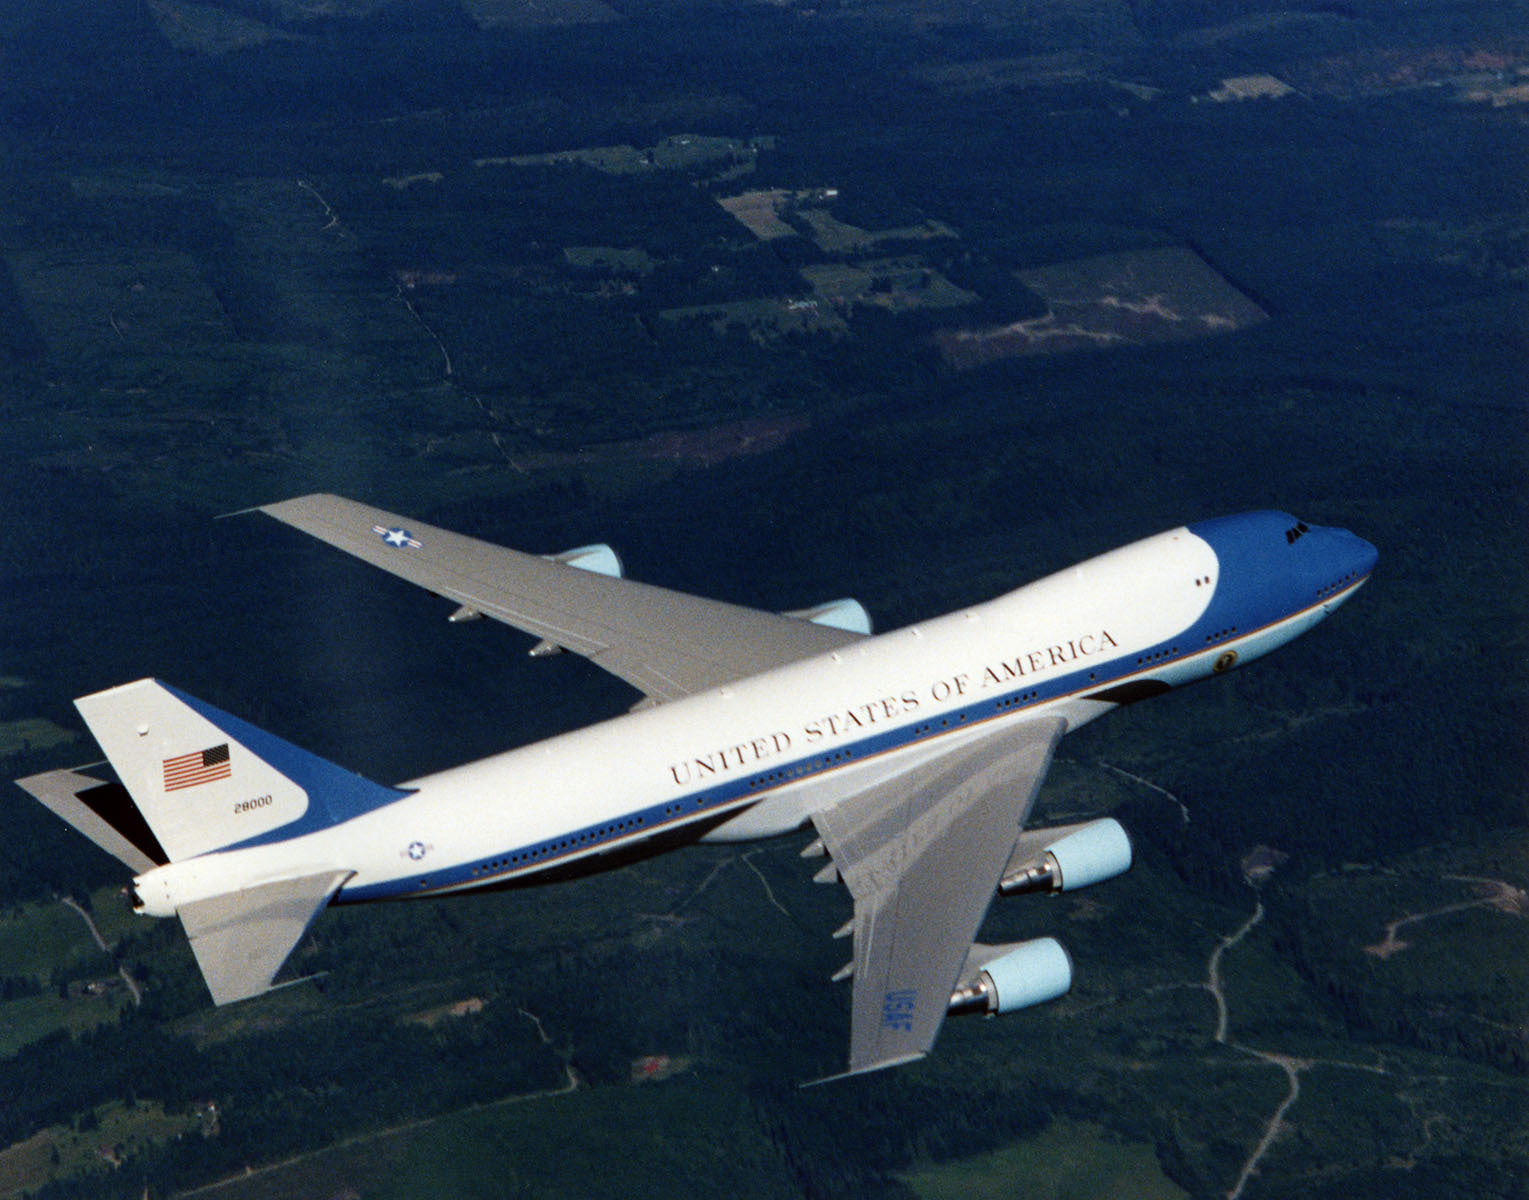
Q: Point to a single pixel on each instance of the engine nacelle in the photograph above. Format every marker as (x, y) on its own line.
(846, 614)
(1089, 854)
(1015, 976)
(598, 560)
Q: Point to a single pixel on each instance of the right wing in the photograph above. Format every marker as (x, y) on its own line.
(666, 644)
(922, 854)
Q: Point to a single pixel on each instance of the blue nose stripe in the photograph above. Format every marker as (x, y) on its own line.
(1272, 565)
(1254, 553)
(1357, 554)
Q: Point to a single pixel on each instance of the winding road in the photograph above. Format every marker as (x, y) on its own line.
(132, 984)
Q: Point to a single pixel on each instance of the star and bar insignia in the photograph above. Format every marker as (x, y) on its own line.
(396, 536)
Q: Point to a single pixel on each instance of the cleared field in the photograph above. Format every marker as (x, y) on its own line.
(992, 74)
(35, 938)
(763, 320)
(400, 182)
(303, 9)
(684, 1137)
(24, 1021)
(209, 30)
(32, 733)
(836, 237)
(116, 1131)
(101, 302)
(759, 212)
(1071, 1158)
(628, 260)
(896, 284)
(678, 152)
(1135, 298)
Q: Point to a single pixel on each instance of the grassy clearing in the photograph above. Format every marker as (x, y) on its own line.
(58, 1151)
(763, 320)
(35, 938)
(759, 212)
(834, 236)
(32, 733)
(208, 30)
(896, 284)
(684, 1137)
(629, 260)
(26, 1020)
(124, 299)
(1071, 1159)
(522, 14)
(679, 152)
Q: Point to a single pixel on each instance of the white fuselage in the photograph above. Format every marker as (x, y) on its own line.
(759, 756)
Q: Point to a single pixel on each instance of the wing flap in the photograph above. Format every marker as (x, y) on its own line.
(241, 939)
(921, 854)
(666, 644)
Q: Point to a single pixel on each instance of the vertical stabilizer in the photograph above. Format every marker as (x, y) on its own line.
(204, 780)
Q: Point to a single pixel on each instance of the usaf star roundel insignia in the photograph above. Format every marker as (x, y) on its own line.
(395, 536)
(417, 850)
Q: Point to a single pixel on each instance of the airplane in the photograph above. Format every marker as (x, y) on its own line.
(914, 756)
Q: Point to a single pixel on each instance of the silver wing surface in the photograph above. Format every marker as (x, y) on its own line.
(241, 939)
(102, 811)
(666, 644)
(922, 854)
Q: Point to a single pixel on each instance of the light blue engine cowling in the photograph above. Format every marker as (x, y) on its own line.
(1034, 973)
(1018, 976)
(1086, 855)
(1100, 850)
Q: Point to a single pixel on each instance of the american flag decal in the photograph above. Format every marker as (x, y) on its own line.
(200, 766)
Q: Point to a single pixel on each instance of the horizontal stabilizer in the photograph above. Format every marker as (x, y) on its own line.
(102, 811)
(241, 938)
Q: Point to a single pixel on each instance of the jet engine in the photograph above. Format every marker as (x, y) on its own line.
(1081, 855)
(1013, 976)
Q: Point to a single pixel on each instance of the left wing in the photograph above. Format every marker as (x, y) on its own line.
(922, 855)
(666, 644)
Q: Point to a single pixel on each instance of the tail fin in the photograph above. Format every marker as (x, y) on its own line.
(204, 780)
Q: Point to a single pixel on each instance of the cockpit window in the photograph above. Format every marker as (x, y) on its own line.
(1293, 534)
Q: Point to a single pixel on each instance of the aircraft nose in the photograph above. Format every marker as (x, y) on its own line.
(1360, 555)
(1346, 562)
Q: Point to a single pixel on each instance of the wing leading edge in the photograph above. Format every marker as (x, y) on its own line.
(666, 644)
(922, 855)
